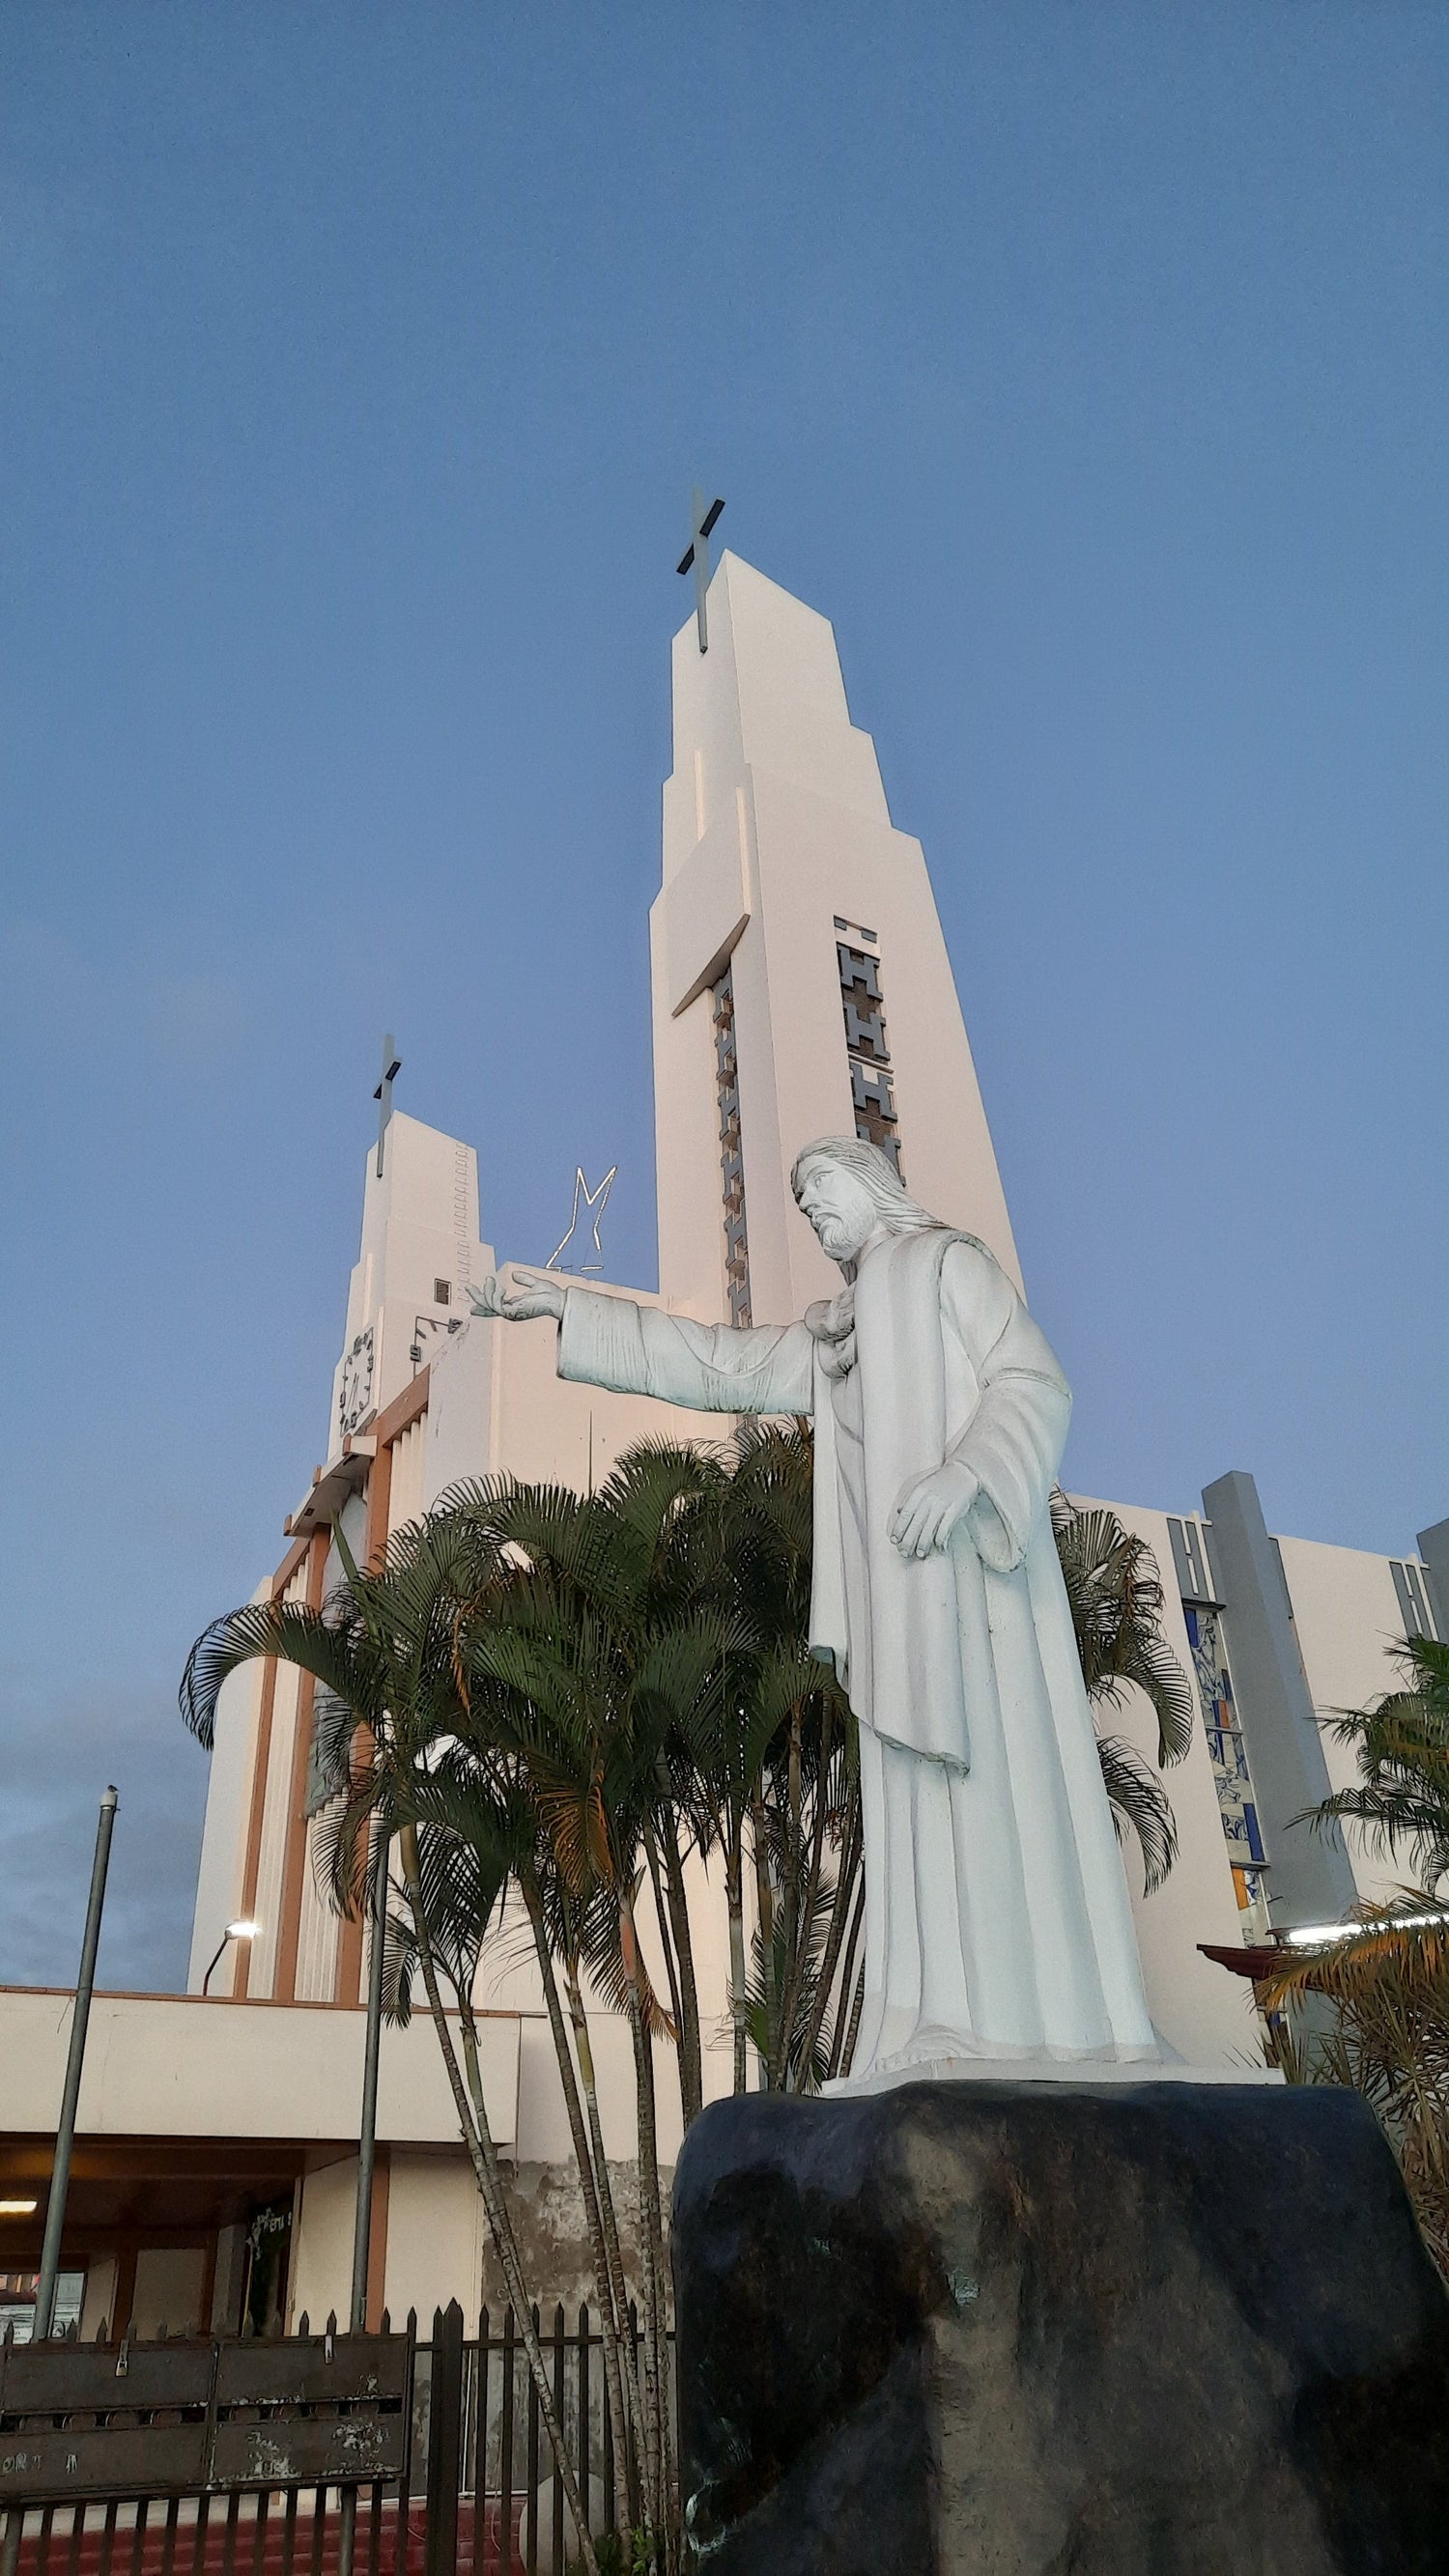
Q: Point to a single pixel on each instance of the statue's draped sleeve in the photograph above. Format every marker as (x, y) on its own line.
(713, 1368)
(1014, 1439)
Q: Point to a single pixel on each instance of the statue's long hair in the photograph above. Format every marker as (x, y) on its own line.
(832, 1321)
(891, 1199)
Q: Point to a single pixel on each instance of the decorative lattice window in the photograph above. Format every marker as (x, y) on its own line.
(866, 1044)
(731, 1152)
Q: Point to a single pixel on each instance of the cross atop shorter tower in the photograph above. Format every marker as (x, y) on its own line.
(391, 1065)
(697, 553)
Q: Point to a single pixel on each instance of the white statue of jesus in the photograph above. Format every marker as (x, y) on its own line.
(998, 1930)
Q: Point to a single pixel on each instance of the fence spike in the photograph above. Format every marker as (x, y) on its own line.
(103, 2331)
(304, 2323)
(387, 2320)
(412, 2321)
(332, 2321)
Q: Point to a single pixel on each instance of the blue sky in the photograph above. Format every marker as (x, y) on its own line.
(1086, 365)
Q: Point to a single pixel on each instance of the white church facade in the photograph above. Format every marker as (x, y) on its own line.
(801, 987)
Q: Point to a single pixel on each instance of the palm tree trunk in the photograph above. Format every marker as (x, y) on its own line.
(634, 2446)
(584, 2049)
(691, 2057)
(593, 2215)
(666, 1938)
(483, 2154)
(650, 2231)
(735, 1902)
(668, 2470)
(765, 1899)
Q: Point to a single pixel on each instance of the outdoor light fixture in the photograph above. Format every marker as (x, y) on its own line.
(243, 1931)
(18, 2208)
(1318, 1936)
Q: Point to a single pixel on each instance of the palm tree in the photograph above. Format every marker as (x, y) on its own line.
(1115, 1595)
(582, 1664)
(1389, 1991)
(784, 1777)
(1386, 1979)
(1400, 1804)
(1401, 1801)
(383, 1653)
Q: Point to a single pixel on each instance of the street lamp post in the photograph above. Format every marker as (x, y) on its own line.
(233, 1932)
(70, 2100)
(367, 2127)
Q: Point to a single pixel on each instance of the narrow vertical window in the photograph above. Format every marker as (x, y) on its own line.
(866, 1046)
(731, 1154)
(1232, 1779)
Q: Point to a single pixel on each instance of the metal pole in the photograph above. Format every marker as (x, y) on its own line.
(70, 2102)
(367, 2133)
(366, 2156)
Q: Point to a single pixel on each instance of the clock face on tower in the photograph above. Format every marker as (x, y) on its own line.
(355, 1395)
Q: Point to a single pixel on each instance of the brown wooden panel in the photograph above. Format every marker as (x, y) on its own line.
(403, 1410)
(300, 2373)
(112, 2459)
(95, 2379)
(302, 2450)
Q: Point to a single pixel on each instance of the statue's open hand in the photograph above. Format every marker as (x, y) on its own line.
(526, 1293)
(930, 1507)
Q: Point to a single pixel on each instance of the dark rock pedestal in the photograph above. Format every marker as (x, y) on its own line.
(1157, 2330)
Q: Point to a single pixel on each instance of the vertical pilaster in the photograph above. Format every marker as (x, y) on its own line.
(348, 1987)
(294, 1859)
(1434, 1549)
(256, 1817)
(1311, 1878)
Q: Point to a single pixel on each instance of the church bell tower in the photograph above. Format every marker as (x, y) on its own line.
(800, 979)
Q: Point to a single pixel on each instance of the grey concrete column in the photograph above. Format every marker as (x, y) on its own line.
(1434, 1549)
(1310, 1875)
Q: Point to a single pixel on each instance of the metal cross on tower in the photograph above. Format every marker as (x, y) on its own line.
(701, 521)
(391, 1064)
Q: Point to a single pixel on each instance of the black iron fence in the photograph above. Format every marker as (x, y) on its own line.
(310, 2455)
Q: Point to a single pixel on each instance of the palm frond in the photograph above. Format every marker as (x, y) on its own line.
(1139, 1803)
(1116, 1599)
(1398, 1946)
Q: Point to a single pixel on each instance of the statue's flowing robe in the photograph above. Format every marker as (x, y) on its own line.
(997, 1919)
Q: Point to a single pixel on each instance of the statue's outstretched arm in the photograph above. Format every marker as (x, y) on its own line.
(712, 1368)
(641, 1350)
(520, 1298)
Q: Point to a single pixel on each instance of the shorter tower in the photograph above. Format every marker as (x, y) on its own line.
(409, 1287)
(801, 981)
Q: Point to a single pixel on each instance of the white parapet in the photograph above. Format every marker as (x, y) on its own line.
(177, 2066)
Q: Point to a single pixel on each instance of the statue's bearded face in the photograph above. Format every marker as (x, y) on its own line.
(839, 1207)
